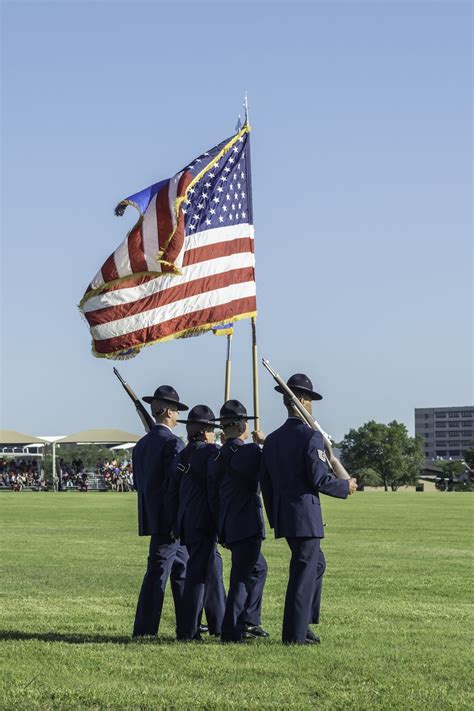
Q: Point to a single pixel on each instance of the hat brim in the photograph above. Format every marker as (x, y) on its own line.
(312, 394)
(205, 423)
(181, 406)
(235, 417)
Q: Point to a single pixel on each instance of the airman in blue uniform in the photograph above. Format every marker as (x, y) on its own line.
(294, 472)
(237, 509)
(188, 504)
(154, 462)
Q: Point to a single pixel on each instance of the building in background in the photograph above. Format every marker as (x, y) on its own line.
(447, 431)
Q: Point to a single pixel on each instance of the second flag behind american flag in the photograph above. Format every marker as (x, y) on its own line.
(187, 265)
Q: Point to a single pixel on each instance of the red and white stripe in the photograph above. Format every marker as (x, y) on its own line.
(217, 285)
(138, 253)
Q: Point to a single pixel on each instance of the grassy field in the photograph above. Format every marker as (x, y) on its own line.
(395, 624)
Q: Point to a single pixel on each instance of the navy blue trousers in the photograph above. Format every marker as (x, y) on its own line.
(203, 587)
(245, 555)
(316, 606)
(253, 607)
(166, 559)
(214, 595)
(303, 594)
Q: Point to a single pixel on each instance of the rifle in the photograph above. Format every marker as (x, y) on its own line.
(145, 417)
(333, 461)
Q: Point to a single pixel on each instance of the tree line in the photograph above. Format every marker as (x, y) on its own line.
(386, 455)
(375, 453)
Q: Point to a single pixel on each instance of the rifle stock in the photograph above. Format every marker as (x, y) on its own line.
(336, 466)
(145, 417)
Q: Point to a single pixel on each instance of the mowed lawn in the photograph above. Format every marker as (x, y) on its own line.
(396, 627)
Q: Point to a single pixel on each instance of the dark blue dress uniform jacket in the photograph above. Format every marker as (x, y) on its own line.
(154, 461)
(188, 499)
(233, 491)
(294, 471)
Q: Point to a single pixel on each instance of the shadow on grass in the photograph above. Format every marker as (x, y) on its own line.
(71, 638)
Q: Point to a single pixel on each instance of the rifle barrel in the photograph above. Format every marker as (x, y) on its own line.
(119, 377)
(145, 417)
(334, 463)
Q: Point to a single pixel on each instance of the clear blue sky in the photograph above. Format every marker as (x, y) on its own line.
(361, 150)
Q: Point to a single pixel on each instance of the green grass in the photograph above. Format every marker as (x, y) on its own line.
(395, 623)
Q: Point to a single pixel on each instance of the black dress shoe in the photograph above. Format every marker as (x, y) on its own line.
(254, 631)
(311, 637)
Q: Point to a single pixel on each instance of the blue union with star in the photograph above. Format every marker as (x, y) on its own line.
(222, 196)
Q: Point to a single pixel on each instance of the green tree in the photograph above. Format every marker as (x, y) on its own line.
(369, 477)
(90, 453)
(452, 468)
(469, 457)
(457, 474)
(388, 450)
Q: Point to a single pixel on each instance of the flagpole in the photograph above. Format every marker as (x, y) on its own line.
(256, 407)
(228, 367)
(255, 373)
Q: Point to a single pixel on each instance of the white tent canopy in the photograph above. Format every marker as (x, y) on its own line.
(11, 438)
(107, 436)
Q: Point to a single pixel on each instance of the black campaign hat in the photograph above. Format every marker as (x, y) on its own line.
(300, 383)
(200, 415)
(234, 410)
(168, 394)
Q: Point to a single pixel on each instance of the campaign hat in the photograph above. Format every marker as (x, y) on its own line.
(300, 384)
(200, 415)
(168, 394)
(234, 410)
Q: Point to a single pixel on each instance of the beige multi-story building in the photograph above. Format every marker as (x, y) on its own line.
(447, 431)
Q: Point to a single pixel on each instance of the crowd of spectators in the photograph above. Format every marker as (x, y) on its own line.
(16, 474)
(71, 475)
(118, 476)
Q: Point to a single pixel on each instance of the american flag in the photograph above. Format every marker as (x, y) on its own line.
(187, 265)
